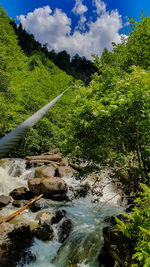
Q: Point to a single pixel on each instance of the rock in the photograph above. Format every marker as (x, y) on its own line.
(64, 162)
(64, 229)
(44, 171)
(43, 232)
(105, 259)
(66, 171)
(82, 190)
(60, 197)
(4, 200)
(44, 216)
(130, 207)
(35, 185)
(19, 203)
(59, 215)
(50, 187)
(119, 247)
(4, 162)
(40, 204)
(53, 151)
(75, 166)
(54, 157)
(13, 243)
(112, 219)
(21, 193)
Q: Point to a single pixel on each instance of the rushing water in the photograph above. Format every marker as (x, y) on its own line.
(87, 214)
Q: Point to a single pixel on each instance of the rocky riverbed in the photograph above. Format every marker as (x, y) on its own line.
(69, 221)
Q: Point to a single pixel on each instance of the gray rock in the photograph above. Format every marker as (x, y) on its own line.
(44, 216)
(21, 193)
(19, 203)
(40, 204)
(82, 190)
(43, 232)
(48, 186)
(14, 241)
(64, 171)
(45, 171)
(64, 162)
(4, 200)
(59, 215)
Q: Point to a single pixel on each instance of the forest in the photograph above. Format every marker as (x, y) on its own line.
(104, 117)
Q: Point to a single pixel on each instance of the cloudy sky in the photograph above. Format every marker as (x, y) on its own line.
(78, 26)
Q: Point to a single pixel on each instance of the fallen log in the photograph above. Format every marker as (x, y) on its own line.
(42, 161)
(34, 161)
(10, 217)
(54, 157)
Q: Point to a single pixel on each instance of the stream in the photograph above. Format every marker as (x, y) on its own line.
(87, 215)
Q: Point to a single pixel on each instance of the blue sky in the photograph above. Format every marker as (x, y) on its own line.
(82, 26)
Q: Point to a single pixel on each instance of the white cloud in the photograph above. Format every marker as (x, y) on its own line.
(100, 6)
(79, 8)
(55, 29)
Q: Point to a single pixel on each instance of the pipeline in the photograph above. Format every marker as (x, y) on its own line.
(8, 141)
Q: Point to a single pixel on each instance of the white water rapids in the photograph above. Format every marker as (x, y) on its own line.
(87, 215)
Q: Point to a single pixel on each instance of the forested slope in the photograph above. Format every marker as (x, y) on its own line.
(27, 84)
(77, 66)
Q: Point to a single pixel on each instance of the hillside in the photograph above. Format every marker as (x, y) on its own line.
(27, 84)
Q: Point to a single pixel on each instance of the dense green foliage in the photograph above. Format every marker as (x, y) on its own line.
(78, 67)
(27, 84)
(138, 228)
(112, 115)
(111, 122)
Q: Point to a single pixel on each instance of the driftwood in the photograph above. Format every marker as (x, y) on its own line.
(42, 161)
(38, 161)
(10, 217)
(54, 157)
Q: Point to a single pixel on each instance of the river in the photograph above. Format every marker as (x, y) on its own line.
(87, 215)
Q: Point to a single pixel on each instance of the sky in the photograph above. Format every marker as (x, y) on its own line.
(78, 26)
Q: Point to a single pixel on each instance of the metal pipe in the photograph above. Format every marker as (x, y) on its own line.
(8, 141)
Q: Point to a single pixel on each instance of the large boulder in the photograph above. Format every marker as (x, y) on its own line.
(49, 187)
(21, 193)
(64, 171)
(45, 171)
(4, 201)
(14, 240)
